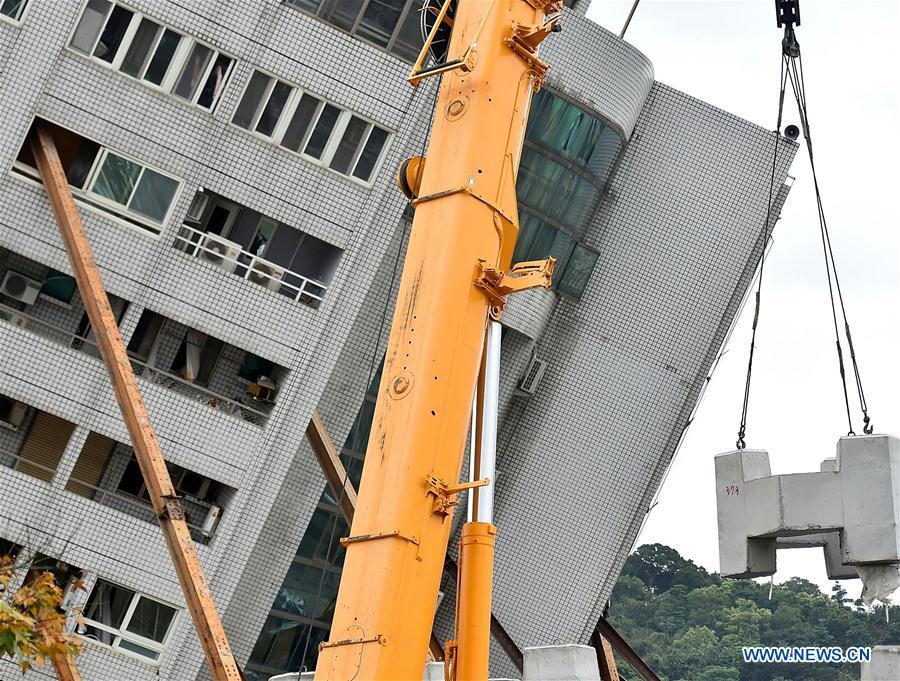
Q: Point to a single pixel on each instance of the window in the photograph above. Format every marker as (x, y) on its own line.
(321, 132)
(127, 620)
(12, 9)
(108, 180)
(392, 25)
(144, 49)
(9, 551)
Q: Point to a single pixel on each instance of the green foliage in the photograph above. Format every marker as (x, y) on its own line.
(690, 625)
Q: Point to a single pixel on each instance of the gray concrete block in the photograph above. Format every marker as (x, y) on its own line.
(884, 666)
(561, 663)
(851, 508)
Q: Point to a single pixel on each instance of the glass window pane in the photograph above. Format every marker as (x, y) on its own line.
(193, 71)
(272, 111)
(555, 190)
(380, 20)
(111, 38)
(349, 143)
(303, 114)
(578, 272)
(162, 57)
(151, 619)
(140, 650)
(215, 82)
(12, 8)
(370, 153)
(308, 5)
(89, 27)
(116, 178)
(153, 195)
(408, 42)
(322, 131)
(139, 51)
(251, 100)
(108, 604)
(341, 13)
(82, 162)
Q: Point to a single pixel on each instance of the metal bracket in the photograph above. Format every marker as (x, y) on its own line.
(524, 41)
(522, 276)
(377, 638)
(445, 493)
(378, 535)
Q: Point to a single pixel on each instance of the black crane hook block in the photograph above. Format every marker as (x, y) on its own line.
(787, 12)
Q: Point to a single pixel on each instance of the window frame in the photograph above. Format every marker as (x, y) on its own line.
(176, 65)
(409, 6)
(122, 632)
(100, 204)
(334, 138)
(17, 21)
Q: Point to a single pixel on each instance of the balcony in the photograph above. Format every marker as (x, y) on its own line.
(247, 244)
(163, 352)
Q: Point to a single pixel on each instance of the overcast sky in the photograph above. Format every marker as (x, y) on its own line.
(727, 52)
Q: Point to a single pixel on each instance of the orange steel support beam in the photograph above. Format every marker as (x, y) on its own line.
(462, 237)
(166, 504)
(65, 668)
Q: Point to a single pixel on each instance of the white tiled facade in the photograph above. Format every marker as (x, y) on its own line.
(677, 229)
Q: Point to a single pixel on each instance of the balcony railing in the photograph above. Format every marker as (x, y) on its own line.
(257, 414)
(230, 257)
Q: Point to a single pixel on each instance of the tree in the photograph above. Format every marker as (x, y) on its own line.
(690, 625)
(32, 621)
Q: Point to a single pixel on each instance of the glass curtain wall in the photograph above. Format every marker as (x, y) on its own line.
(567, 161)
(300, 617)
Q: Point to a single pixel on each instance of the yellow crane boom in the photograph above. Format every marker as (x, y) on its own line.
(455, 279)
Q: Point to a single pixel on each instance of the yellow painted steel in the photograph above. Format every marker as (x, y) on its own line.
(476, 565)
(465, 222)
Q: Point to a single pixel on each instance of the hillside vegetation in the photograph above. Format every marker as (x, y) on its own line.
(690, 625)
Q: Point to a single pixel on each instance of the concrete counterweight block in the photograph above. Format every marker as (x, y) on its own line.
(851, 508)
(884, 666)
(561, 663)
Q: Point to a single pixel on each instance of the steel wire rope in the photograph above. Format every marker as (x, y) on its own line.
(798, 83)
(742, 430)
(375, 352)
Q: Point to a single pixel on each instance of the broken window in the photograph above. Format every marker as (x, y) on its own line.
(105, 179)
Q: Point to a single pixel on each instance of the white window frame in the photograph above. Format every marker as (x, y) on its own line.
(18, 20)
(123, 208)
(122, 633)
(176, 65)
(334, 139)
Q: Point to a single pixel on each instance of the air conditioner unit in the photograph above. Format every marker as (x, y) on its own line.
(20, 287)
(198, 207)
(219, 251)
(266, 275)
(532, 376)
(212, 520)
(12, 413)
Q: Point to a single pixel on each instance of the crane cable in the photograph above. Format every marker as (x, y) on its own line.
(792, 71)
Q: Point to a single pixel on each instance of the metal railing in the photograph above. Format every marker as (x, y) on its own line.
(245, 265)
(154, 375)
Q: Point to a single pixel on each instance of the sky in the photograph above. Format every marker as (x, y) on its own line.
(728, 53)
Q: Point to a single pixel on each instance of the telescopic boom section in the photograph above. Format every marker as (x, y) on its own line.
(461, 242)
(166, 503)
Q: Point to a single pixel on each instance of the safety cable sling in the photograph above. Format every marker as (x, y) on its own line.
(792, 70)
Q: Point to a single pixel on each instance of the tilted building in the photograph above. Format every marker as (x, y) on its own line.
(233, 163)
